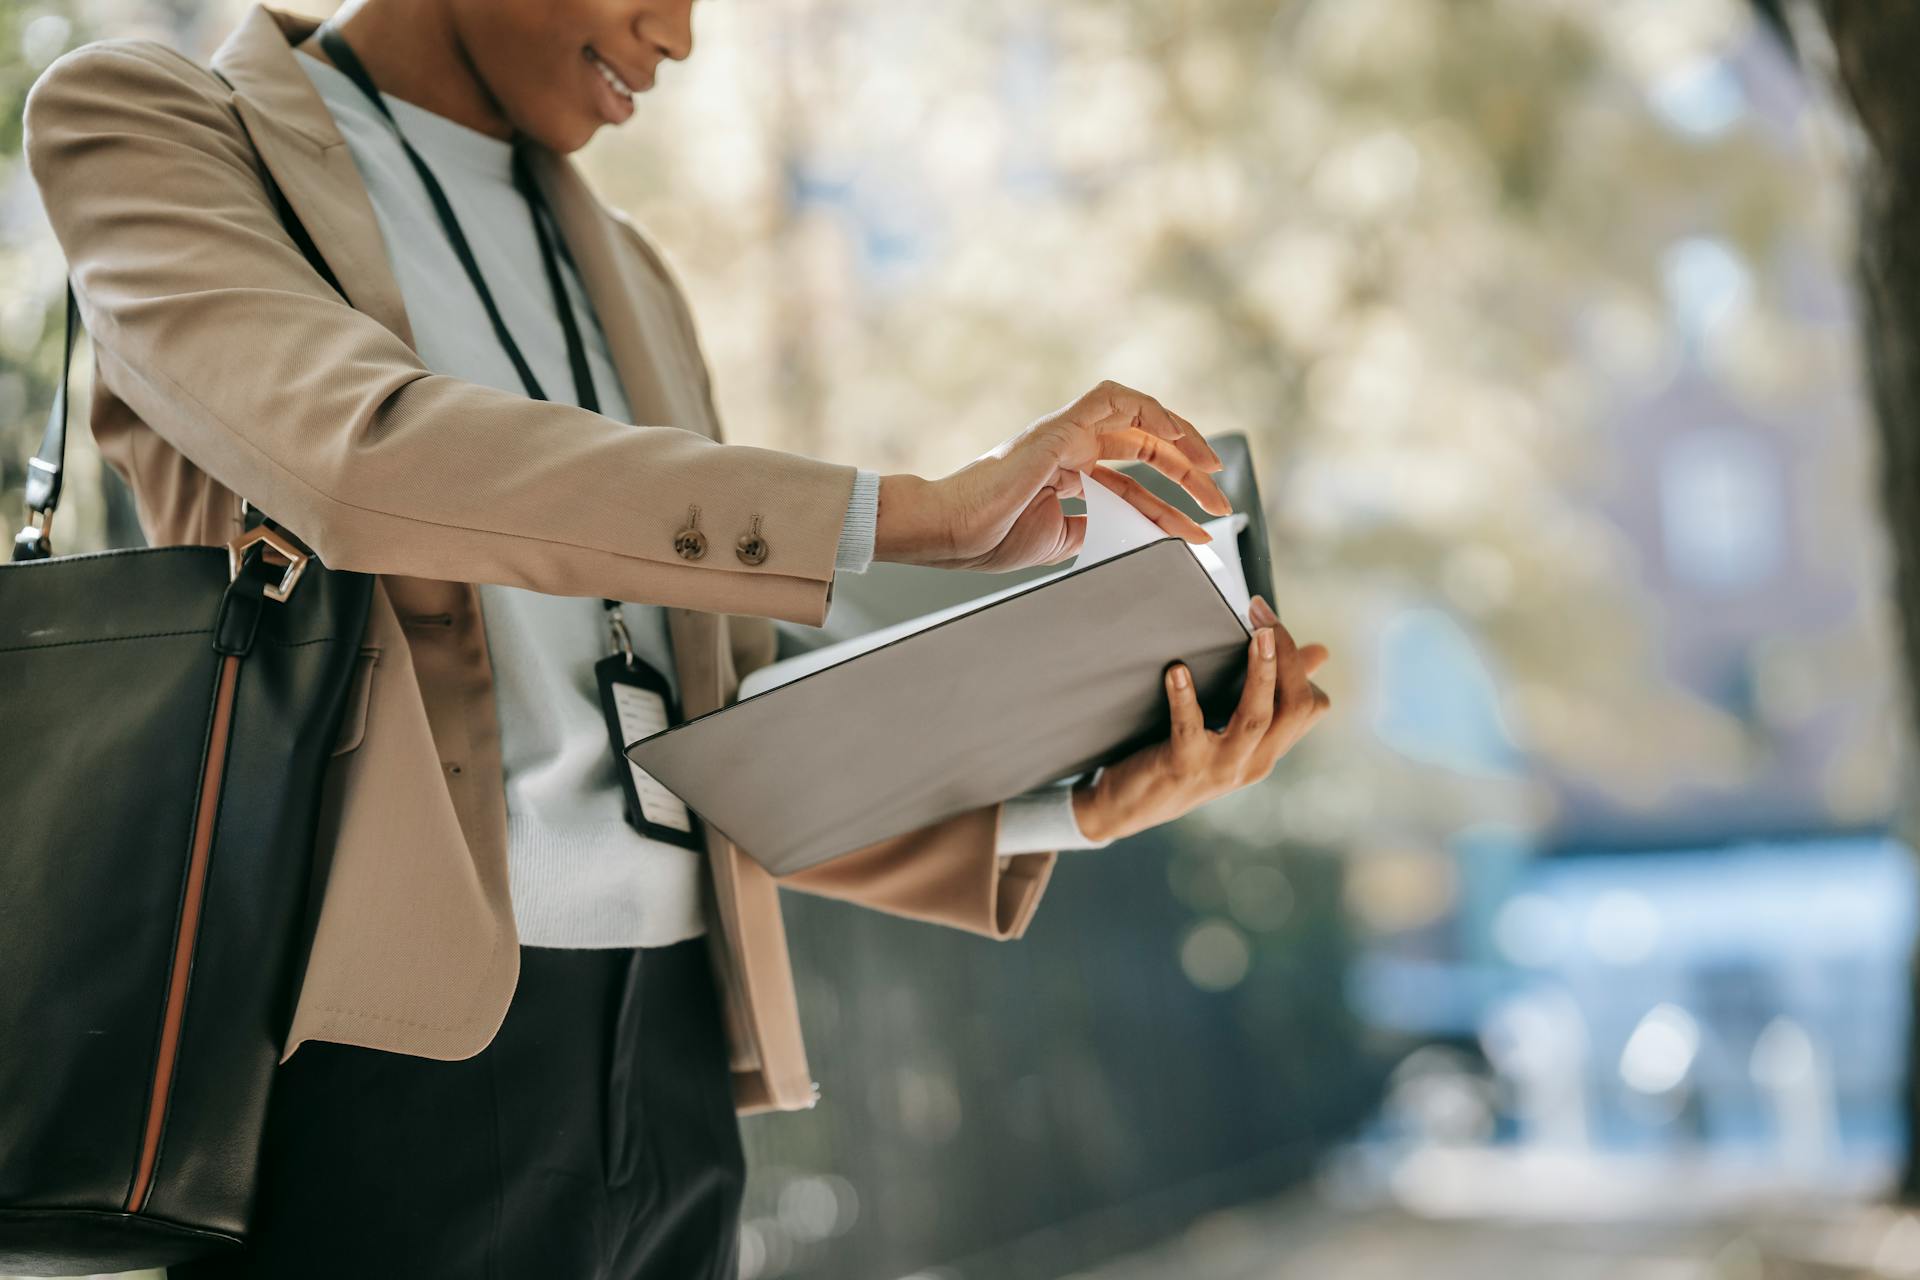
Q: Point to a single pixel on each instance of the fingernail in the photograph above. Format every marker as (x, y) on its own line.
(1180, 678)
(1266, 643)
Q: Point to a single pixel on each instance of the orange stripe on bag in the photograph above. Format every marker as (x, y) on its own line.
(212, 771)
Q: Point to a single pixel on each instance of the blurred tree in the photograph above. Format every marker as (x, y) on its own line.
(1869, 52)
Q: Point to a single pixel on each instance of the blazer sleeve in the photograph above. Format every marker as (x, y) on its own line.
(947, 873)
(210, 325)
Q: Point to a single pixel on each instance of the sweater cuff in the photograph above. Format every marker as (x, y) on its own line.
(1041, 821)
(855, 551)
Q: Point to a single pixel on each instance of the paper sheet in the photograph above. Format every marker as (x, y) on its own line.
(1113, 526)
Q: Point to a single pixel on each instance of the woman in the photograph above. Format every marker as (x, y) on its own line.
(528, 1021)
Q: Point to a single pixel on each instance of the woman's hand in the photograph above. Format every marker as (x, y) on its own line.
(1002, 511)
(1157, 784)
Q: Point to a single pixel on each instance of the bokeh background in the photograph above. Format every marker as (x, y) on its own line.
(1576, 942)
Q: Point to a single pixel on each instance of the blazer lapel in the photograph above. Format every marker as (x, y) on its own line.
(296, 138)
(634, 310)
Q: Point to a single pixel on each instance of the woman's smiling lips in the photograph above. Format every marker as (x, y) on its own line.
(613, 90)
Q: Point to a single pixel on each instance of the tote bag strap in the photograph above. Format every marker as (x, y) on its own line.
(45, 466)
(48, 462)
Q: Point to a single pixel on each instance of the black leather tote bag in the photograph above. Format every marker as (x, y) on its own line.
(165, 719)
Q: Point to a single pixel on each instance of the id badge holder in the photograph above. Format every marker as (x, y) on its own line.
(638, 702)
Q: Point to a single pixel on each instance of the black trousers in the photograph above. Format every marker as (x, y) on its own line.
(594, 1138)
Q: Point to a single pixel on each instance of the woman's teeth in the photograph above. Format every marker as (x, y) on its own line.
(608, 74)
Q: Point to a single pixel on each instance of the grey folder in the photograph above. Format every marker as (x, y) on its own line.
(1017, 693)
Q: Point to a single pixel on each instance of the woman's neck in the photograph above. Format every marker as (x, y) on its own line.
(412, 52)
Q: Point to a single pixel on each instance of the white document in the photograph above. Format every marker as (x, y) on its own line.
(1113, 526)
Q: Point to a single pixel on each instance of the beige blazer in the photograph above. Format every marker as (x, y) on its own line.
(226, 368)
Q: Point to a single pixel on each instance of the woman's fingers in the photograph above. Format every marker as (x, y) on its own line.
(1213, 459)
(1310, 657)
(1149, 504)
(1155, 417)
(1112, 399)
(1292, 675)
(1298, 708)
(1119, 440)
(1076, 536)
(1255, 712)
(1189, 738)
(1044, 533)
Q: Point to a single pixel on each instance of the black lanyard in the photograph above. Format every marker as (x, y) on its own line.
(635, 699)
(552, 249)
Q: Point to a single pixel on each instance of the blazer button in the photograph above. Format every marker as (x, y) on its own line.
(752, 548)
(690, 543)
